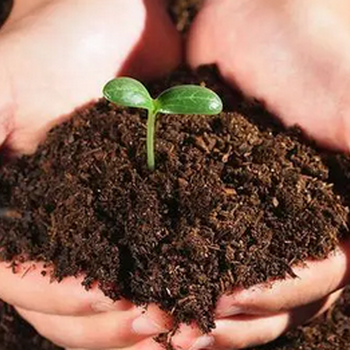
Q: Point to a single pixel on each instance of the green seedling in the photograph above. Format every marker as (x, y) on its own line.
(184, 99)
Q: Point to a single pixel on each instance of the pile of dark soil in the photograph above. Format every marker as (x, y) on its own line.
(235, 201)
(230, 204)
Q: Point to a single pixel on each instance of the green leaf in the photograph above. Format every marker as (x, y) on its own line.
(128, 92)
(189, 99)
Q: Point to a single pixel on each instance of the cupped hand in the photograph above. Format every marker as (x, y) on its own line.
(293, 56)
(56, 55)
(72, 317)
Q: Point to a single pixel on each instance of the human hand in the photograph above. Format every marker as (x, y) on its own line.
(291, 55)
(54, 57)
(57, 55)
(72, 317)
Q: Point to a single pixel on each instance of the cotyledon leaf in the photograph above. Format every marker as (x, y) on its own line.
(128, 92)
(189, 99)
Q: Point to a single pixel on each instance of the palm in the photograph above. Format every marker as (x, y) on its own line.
(291, 55)
(57, 65)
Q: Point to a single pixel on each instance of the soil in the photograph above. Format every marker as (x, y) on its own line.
(235, 200)
(183, 12)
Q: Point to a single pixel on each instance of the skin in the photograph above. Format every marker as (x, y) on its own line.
(67, 61)
(259, 46)
(66, 64)
(292, 56)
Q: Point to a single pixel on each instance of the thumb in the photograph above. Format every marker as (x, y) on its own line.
(314, 281)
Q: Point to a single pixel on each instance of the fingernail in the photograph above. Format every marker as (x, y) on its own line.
(203, 342)
(145, 326)
(103, 306)
(229, 312)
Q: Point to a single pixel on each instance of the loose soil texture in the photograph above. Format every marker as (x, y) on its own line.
(235, 201)
(224, 237)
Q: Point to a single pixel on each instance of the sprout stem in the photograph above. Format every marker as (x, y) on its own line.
(150, 139)
(185, 99)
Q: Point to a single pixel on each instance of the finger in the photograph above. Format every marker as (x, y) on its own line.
(147, 344)
(29, 289)
(328, 304)
(244, 331)
(241, 333)
(190, 338)
(118, 329)
(313, 282)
